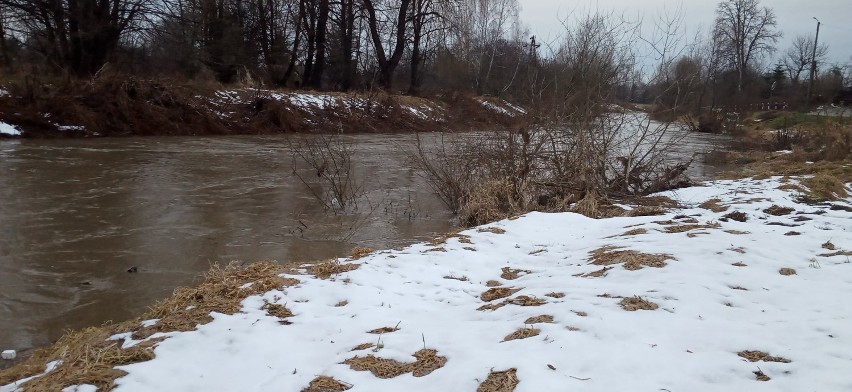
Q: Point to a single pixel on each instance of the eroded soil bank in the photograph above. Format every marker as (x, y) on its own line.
(132, 106)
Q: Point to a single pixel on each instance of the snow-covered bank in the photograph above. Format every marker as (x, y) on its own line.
(676, 302)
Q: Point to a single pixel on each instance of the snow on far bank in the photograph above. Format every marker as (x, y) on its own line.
(502, 107)
(9, 129)
(714, 287)
(311, 103)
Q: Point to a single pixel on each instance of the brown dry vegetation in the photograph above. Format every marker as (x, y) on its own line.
(631, 260)
(503, 381)
(326, 384)
(632, 304)
(329, 268)
(360, 252)
(713, 205)
(512, 274)
(522, 333)
(787, 271)
(545, 318)
(685, 228)
(427, 361)
(527, 300)
(495, 293)
(89, 358)
(756, 356)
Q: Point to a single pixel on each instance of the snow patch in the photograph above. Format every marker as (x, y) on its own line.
(9, 129)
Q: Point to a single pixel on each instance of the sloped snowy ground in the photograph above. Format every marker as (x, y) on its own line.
(719, 293)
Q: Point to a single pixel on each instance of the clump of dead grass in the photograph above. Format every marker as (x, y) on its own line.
(492, 283)
(492, 230)
(828, 245)
(632, 304)
(382, 330)
(512, 274)
(277, 310)
(503, 381)
(635, 232)
(360, 252)
(787, 271)
(596, 274)
(555, 295)
(685, 228)
(495, 293)
(326, 384)
(777, 210)
(545, 318)
(223, 290)
(738, 216)
(756, 356)
(491, 201)
(341, 304)
(713, 205)
(362, 346)
(330, 268)
(631, 260)
(493, 306)
(427, 361)
(522, 333)
(527, 300)
(824, 187)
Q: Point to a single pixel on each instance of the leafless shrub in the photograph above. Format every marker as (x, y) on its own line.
(329, 157)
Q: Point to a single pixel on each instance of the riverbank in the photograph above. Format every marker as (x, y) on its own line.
(140, 107)
(736, 285)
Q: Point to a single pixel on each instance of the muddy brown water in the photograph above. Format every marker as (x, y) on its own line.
(76, 214)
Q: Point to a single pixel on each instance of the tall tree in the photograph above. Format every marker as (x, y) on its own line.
(388, 64)
(744, 31)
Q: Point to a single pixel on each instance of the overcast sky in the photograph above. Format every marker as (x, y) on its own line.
(795, 17)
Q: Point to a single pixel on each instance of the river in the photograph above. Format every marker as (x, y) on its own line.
(76, 214)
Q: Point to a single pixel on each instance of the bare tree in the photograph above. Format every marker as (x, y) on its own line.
(387, 64)
(80, 35)
(744, 31)
(799, 57)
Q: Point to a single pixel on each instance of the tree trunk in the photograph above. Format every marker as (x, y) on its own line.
(296, 41)
(347, 30)
(387, 65)
(320, 42)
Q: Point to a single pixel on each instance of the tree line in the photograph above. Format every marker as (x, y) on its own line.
(473, 46)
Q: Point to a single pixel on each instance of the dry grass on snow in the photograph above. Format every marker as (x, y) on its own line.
(326, 384)
(631, 260)
(522, 333)
(330, 268)
(427, 361)
(632, 304)
(502, 381)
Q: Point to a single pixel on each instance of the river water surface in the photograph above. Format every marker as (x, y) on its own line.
(76, 214)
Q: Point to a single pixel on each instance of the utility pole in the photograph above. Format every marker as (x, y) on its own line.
(813, 64)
